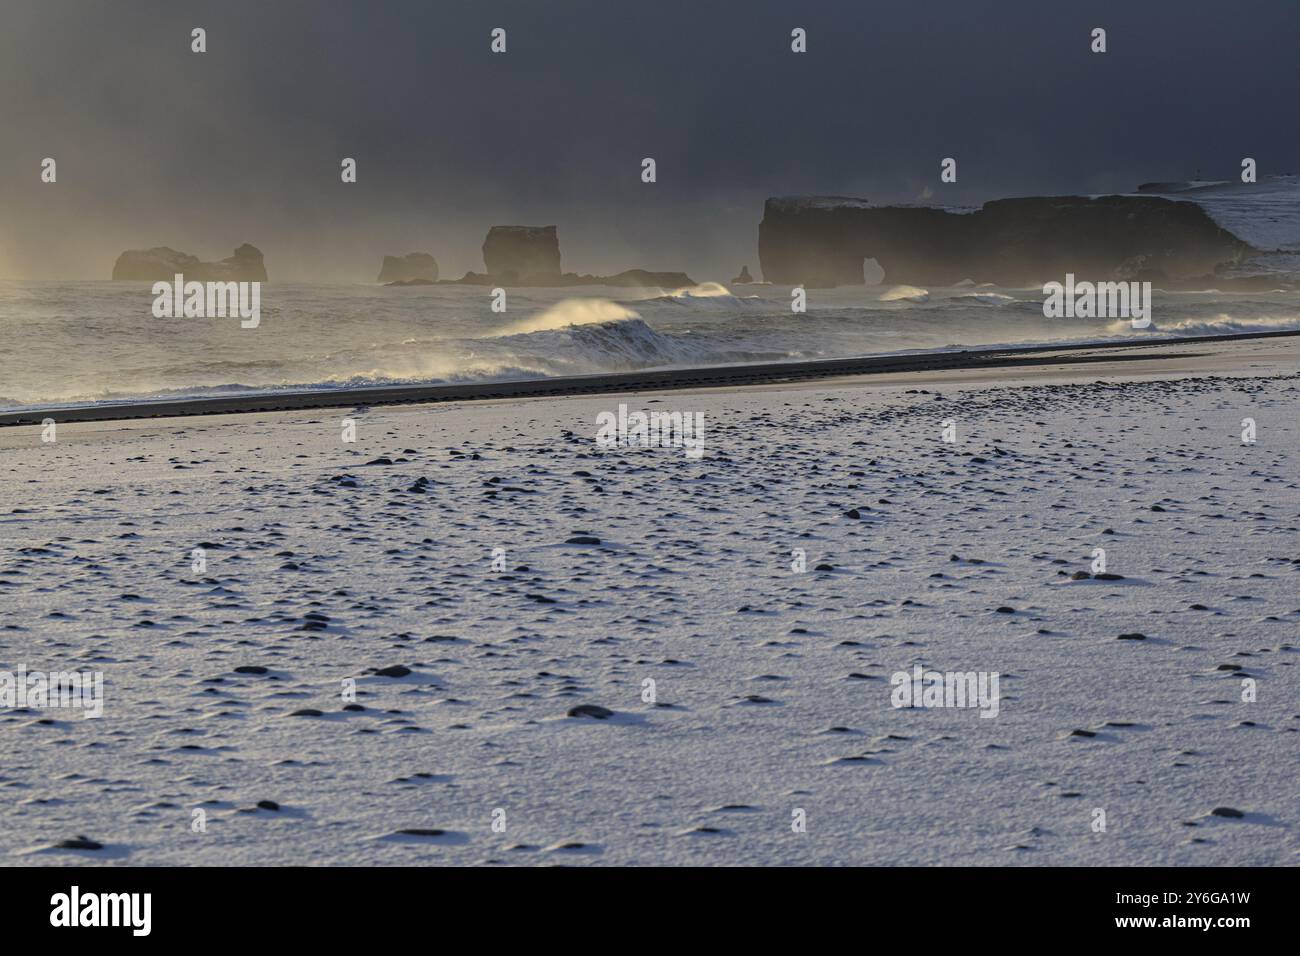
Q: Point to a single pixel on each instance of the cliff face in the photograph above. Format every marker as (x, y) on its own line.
(823, 241)
(415, 265)
(514, 252)
(163, 263)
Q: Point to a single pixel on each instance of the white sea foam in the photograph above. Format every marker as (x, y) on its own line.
(905, 293)
(986, 298)
(705, 295)
(1224, 324)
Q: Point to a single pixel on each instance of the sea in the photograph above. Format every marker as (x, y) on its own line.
(85, 342)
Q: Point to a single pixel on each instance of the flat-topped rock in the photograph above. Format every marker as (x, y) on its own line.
(515, 251)
(407, 268)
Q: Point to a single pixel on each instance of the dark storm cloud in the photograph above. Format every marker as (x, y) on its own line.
(156, 144)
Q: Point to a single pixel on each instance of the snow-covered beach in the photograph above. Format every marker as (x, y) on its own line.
(519, 570)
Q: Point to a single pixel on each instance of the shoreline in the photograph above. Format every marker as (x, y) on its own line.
(770, 373)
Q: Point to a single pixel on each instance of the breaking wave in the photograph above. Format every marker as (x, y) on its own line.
(1224, 324)
(620, 345)
(572, 312)
(707, 294)
(906, 293)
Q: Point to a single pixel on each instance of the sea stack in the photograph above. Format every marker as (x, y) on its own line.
(516, 253)
(164, 263)
(412, 266)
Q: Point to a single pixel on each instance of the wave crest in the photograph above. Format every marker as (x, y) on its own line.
(569, 312)
(626, 343)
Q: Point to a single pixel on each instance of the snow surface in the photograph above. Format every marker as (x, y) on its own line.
(1265, 214)
(772, 686)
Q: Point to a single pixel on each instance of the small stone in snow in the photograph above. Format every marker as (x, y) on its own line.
(591, 710)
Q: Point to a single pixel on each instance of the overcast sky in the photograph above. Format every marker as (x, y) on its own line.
(157, 145)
